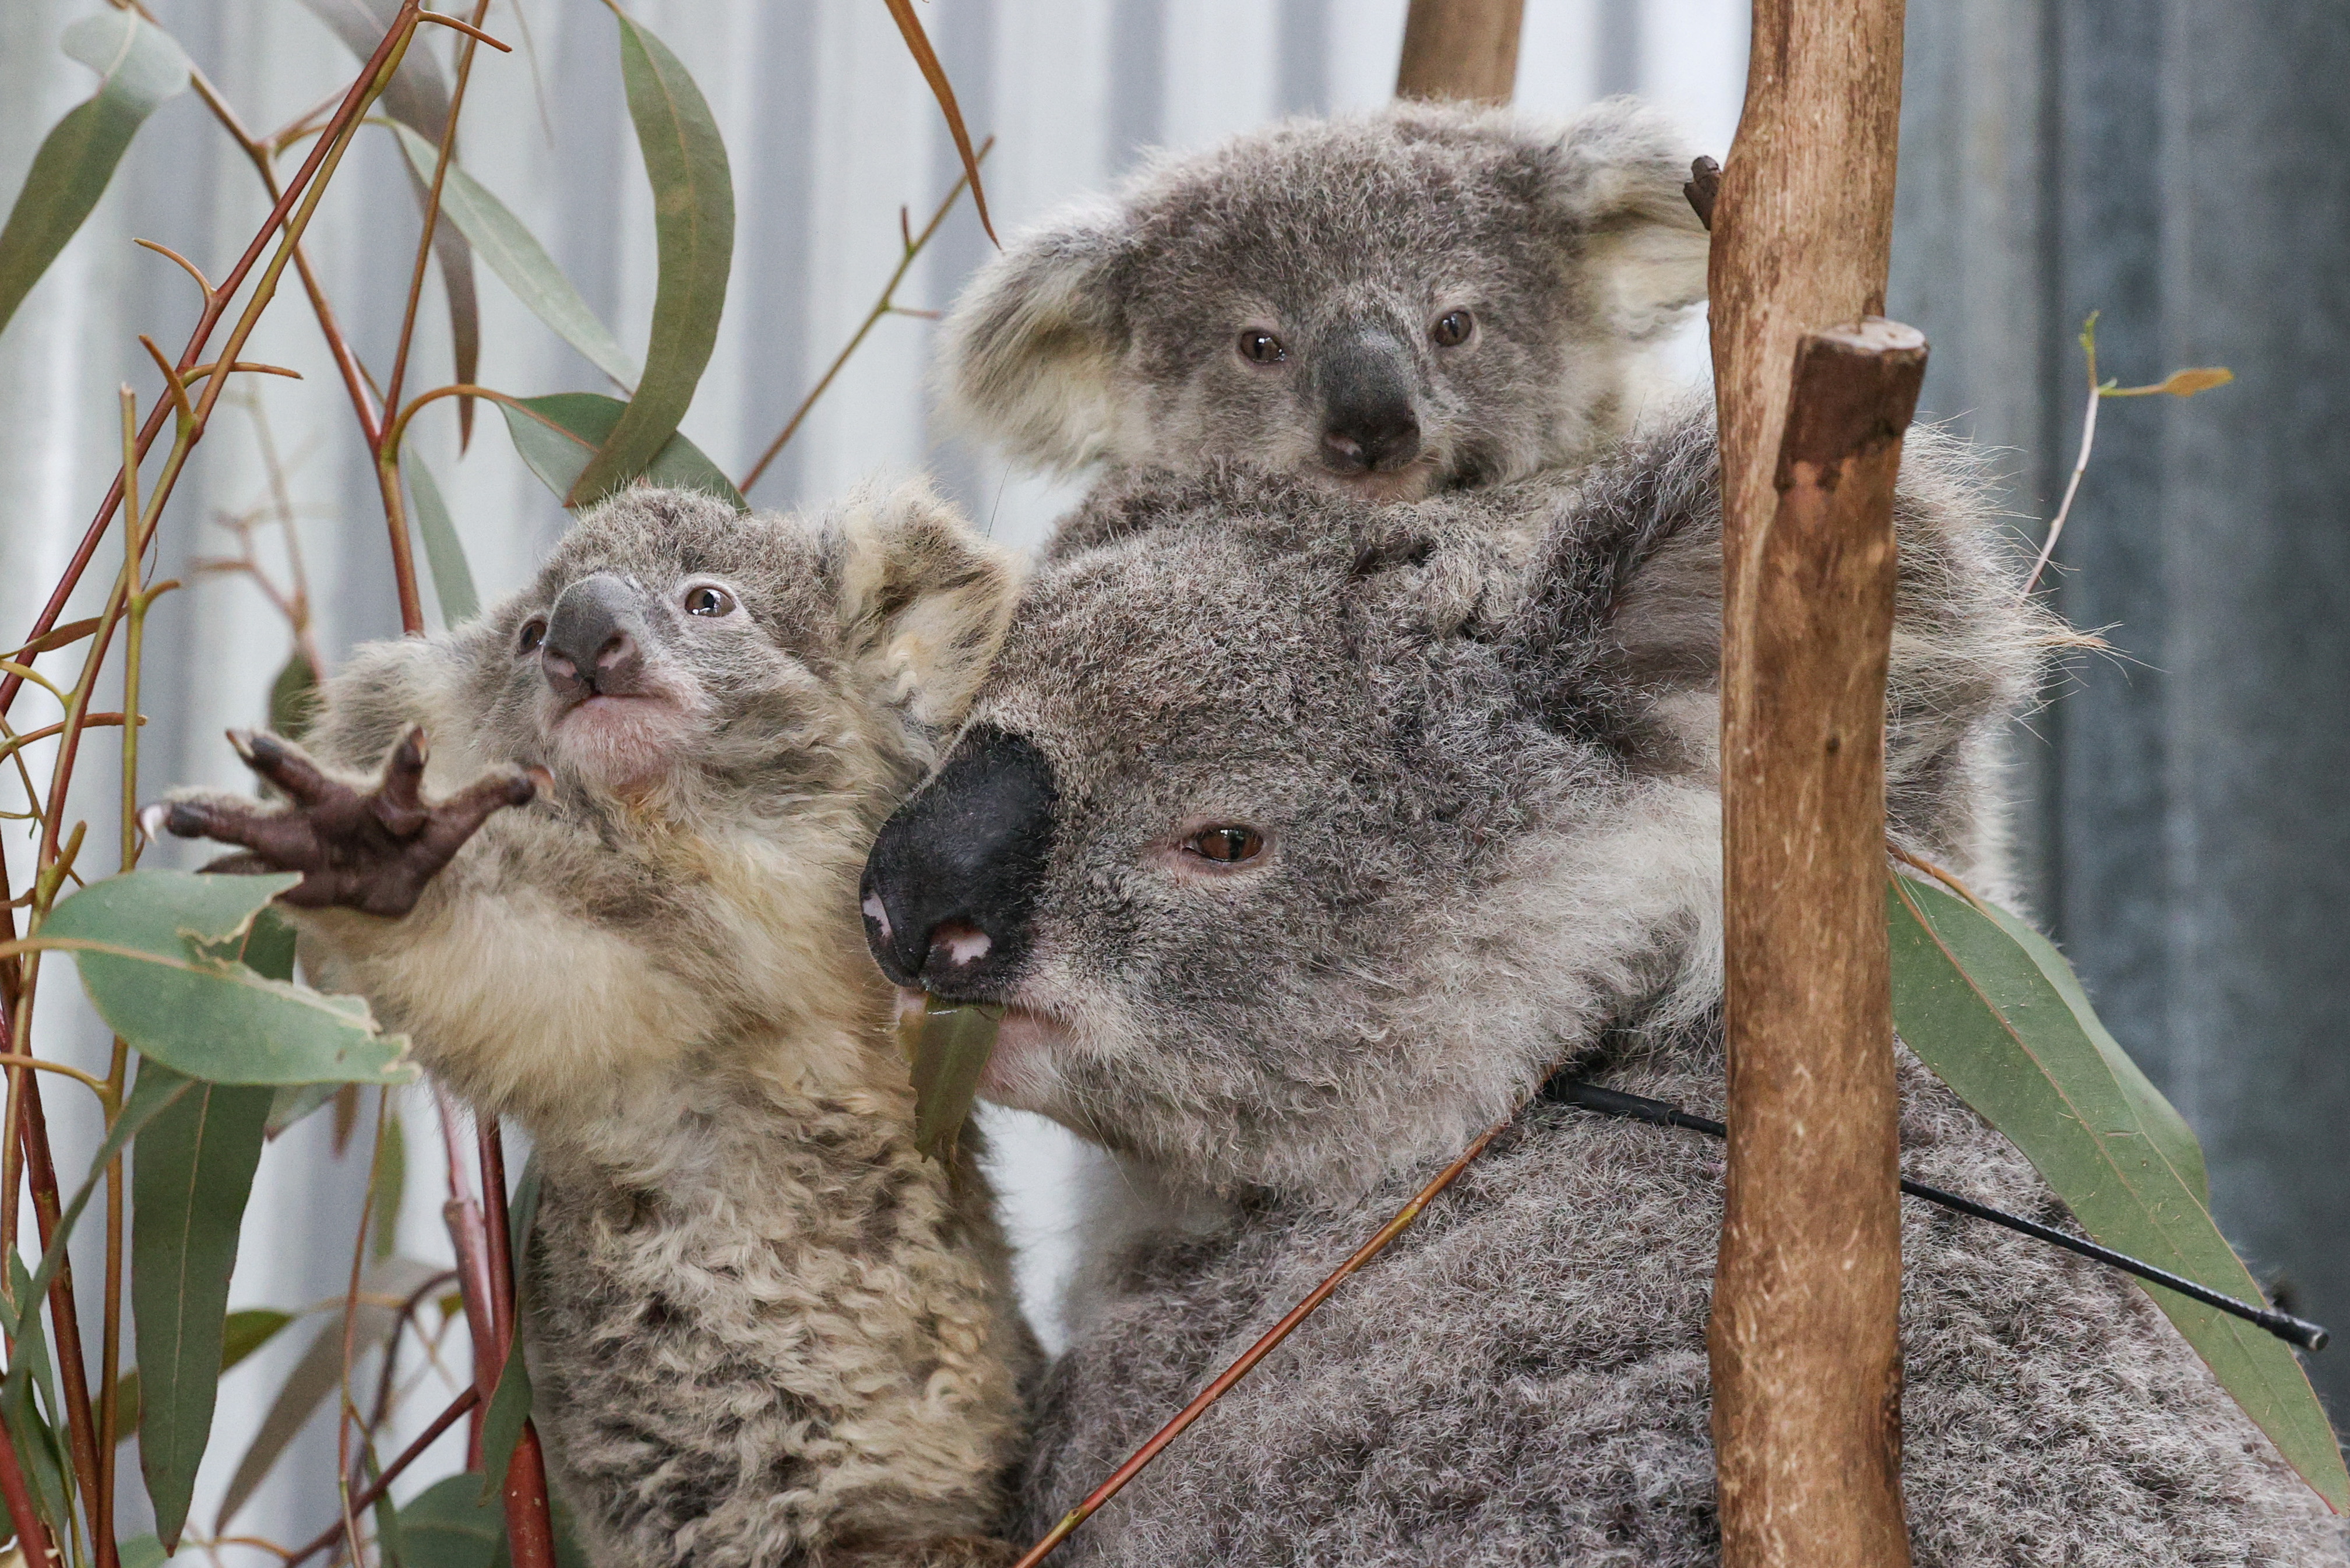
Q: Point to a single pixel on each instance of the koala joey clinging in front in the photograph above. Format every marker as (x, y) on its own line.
(765, 1330)
(1389, 304)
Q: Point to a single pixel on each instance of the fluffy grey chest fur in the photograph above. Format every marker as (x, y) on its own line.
(1522, 1379)
(797, 1334)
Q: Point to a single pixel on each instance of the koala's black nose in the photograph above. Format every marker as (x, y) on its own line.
(595, 638)
(951, 882)
(1368, 419)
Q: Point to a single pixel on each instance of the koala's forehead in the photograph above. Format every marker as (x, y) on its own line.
(1191, 643)
(1294, 212)
(660, 536)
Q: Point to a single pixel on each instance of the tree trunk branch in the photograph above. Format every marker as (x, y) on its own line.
(1805, 1339)
(1461, 49)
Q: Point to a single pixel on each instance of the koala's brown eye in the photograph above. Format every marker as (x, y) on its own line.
(1452, 328)
(534, 633)
(1227, 844)
(1262, 347)
(707, 600)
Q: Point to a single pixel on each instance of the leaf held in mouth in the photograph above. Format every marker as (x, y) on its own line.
(948, 1044)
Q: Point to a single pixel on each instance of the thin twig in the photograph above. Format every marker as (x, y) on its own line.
(1263, 1347)
(464, 1402)
(910, 248)
(2080, 463)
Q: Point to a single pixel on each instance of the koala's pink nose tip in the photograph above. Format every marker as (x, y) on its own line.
(958, 945)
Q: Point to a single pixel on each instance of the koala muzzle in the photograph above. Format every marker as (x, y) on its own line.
(951, 881)
(594, 644)
(1368, 422)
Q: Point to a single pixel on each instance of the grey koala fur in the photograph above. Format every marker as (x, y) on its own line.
(764, 1329)
(1488, 799)
(1110, 333)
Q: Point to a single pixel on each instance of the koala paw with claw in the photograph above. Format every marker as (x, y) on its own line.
(372, 851)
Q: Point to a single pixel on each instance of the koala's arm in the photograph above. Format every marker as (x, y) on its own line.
(473, 920)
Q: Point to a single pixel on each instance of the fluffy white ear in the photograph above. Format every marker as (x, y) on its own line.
(922, 599)
(1617, 173)
(1029, 353)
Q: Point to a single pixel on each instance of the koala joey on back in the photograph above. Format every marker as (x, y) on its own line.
(765, 1330)
(1417, 823)
(1424, 297)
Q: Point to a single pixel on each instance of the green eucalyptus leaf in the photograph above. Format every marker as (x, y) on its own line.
(296, 1101)
(142, 1551)
(510, 1402)
(189, 1182)
(2005, 1023)
(157, 954)
(693, 232)
(245, 1331)
(139, 68)
(390, 1541)
(40, 1445)
(388, 1178)
(318, 1373)
(558, 433)
(452, 579)
(950, 1049)
(459, 1522)
(520, 261)
(293, 697)
(149, 1098)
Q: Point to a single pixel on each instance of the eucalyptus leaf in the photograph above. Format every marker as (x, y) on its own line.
(32, 1425)
(1988, 1011)
(293, 696)
(138, 66)
(557, 435)
(296, 1101)
(693, 232)
(452, 579)
(388, 1178)
(245, 1331)
(142, 1551)
(510, 1402)
(189, 1180)
(521, 263)
(458, 1523)
(317, 1374)
(156, 951)
(950, 1049)
(149, 1098)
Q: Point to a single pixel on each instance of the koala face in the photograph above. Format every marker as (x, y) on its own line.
(1388, 305)
(674, 655)
(1247, 863)
(1301, 838)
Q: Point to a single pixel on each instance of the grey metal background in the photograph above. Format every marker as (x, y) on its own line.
(2178, 166)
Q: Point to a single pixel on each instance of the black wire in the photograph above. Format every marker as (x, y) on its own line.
(1565, 1091)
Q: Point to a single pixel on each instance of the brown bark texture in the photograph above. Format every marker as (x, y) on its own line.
(1805, 1341)
(1461, 49)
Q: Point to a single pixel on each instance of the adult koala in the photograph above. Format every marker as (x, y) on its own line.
(1419, 299)
(1296, 883)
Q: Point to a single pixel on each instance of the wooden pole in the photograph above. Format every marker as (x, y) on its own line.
(1804, 1338)
(1461, 49)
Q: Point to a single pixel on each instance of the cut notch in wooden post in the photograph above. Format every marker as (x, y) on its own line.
(1461, 49)
(1804, 1340)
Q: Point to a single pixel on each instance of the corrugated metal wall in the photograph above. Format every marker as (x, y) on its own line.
(2178, 167)
(830, 131)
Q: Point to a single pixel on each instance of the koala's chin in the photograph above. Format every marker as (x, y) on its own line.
(629, 746)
